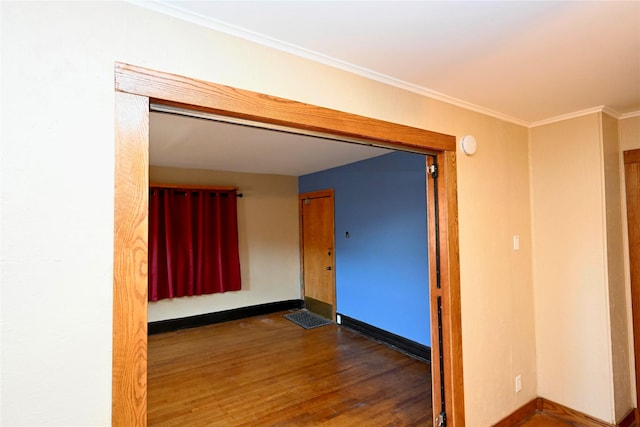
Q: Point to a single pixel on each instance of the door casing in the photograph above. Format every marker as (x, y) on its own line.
(135, 89)
(632, 185)
(321, 301)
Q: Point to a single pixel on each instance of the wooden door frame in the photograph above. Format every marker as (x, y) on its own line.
(135, 89)
(632, 160)
(314, 195)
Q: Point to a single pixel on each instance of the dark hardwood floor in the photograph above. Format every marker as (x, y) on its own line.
(267, 371)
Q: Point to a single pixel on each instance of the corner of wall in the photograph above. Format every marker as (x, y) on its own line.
(532, 232)
(617, 295)
(629, 139)
(569, 260)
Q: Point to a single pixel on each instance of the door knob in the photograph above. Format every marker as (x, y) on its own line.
(328, 268)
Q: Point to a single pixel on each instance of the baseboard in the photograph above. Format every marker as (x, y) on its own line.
(319, 307)
(412, 348)
(171, 325)
(563, 413)
(630, 420)
(558, 410)
(525, 411)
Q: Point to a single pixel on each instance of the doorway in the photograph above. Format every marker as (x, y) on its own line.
(632, 185)
(135, 87)
(317, 247)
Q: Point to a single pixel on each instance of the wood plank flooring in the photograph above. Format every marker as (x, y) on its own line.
(544, 420)
(267, 371)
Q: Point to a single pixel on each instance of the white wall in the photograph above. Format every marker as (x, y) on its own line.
(57, 201)
(268, 241)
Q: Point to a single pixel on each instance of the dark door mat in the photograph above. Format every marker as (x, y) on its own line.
(307, 319)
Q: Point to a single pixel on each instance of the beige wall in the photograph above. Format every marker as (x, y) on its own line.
(579, 287)
(629, 133)
(618, 287)
(268, 241)
(497, 294)
(57, 133)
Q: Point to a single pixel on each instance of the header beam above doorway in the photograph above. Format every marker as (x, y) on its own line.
(213, 98)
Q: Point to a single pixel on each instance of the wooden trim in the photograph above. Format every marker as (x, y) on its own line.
(571, 415)
(434, 292)
(446, 217)
(194, 187)
(629, 420)
(301, 247)
(194, 94)
(563, 413)
(450, 285)
(631, 156)
(171, 325)
(129, 357)
(524, 412)
(402, 344)
(316, 194)
(169, 89)
(632, 189)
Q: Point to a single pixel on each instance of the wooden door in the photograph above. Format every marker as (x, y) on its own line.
(317, 252)
(632, 183)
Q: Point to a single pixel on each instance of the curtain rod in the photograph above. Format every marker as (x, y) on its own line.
(197, 187)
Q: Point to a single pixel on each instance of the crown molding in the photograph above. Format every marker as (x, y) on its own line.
(573, 115)
(620, 116)
(600, 109)
(629, 115)
(214, 24)
(223, 27)
(610, 111)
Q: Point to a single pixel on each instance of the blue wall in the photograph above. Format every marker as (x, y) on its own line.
(382, 275)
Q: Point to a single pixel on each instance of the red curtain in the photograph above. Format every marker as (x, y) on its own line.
(193, 242)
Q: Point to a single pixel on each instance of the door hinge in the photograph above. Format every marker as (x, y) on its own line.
(433, 170)
(441, 420)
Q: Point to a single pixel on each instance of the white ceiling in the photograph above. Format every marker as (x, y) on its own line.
(523, 61)
(187, 142)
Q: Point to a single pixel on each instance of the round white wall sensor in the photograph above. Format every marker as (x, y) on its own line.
(468, 145)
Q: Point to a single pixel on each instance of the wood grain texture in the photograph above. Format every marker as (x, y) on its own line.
(632, 186)
(520, 415)
(571, 415)
(450, 256)
(209, 97)
(267, 371)
(541, 412)
(540, 419)
(434, 291)
(129, 363)
(629, 420)
(317, 240)
(631, 156)
(449, 291)
(169, 89)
